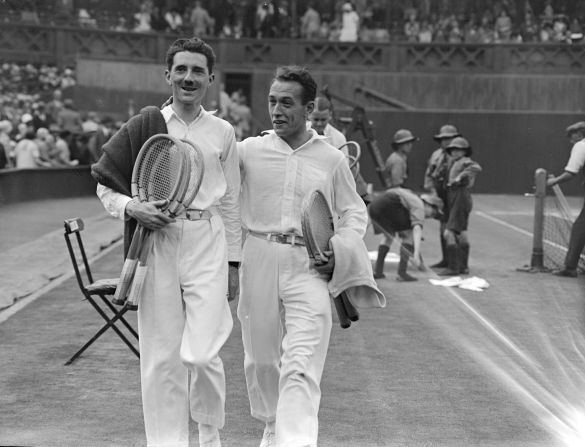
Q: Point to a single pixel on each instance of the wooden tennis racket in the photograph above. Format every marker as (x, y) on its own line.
(159, 173)
(318, 228)
(193, 172)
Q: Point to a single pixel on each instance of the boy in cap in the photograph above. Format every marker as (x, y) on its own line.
(576, 135)
(400, 211)
(436, 178)
(460, 179)
(396, 168)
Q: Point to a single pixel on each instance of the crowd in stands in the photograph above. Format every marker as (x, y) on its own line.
(39, 127)
(424, 21)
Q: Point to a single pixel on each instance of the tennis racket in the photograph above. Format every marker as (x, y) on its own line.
(158, 174)
(189, 184)
(354, 152)
(318, 228)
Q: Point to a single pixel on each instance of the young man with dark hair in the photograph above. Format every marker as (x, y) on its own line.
(284, 363)
(183, 316)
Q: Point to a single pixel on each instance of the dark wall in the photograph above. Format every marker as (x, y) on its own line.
(509, 146)
(19, 185)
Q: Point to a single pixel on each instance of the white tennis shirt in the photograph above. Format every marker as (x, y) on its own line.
(220, 186)
(276, 179)
(577, 158)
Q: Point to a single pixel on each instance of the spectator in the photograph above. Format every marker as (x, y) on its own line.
(486, 31)
(310, 23)
(44, 144)
(69, 118)
(412, 28)
(68, 78)
(85, 20)
(575, 31)
(6, 142)
(174, 20)
(62, 155)
(560, 29)
(225, 17)
(55, 106)
(503, 27)
(157, 20)
(26, 152)
(143, 18)
(121, 25)
(200, 20)
(425, 33)
(529, 29)
(350, 22)
(455, 34)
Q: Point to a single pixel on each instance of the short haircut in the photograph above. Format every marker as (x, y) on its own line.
(194, 45)
(322, 104)
(294, 73)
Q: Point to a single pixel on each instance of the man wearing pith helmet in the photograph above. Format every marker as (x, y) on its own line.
(396, 169)
(436, 177)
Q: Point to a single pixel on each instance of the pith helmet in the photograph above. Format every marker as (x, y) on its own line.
(459, 143)
(403, 136)
(434, 201)
(447, 131)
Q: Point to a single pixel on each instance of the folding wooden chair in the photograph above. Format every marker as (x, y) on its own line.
(96, 292)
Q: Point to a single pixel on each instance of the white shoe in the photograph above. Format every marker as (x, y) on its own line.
(208, 436)
(269, 436)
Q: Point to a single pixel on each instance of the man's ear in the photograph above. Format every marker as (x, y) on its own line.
(310, 107)
(168, 76)
(211, 78)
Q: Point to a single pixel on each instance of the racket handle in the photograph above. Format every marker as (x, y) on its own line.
(128, 268)
(141, 270)
(350, 310)
(344, 321)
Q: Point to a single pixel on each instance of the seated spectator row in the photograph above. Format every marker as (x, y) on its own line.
(424, 21)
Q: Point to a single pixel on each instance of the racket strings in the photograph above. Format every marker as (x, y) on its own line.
(318, 224)
(160, 172)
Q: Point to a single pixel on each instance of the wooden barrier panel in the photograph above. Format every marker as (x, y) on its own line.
(21, 185)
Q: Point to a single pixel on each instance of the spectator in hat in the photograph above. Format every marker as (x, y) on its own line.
(398, 211)
(460, 180)
(396, 168)
(576, 135)
(436, 178)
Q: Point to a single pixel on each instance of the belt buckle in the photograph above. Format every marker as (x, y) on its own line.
(189, 213)
(280, 238)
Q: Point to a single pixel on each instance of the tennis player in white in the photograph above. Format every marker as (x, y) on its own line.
(284, 363)
(183, 316)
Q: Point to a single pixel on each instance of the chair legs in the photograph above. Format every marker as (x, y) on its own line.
(110, 323)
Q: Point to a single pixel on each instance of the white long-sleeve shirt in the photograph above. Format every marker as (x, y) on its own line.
(221, 181)
(276, 179)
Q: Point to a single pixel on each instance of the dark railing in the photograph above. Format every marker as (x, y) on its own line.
(64, 45)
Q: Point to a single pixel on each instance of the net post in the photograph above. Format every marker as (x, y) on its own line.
(537, 258)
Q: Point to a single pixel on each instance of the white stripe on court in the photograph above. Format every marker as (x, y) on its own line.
(23, 302)
(518, 229)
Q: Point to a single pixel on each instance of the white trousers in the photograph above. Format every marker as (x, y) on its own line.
(285, 313)
(183, 321)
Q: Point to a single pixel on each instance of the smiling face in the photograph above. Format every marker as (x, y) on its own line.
(189, 78)
(287, 112)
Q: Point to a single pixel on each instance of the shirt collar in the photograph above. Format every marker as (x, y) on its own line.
(168, 112)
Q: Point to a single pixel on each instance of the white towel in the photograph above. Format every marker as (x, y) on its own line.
(353, 271)
(472, 283)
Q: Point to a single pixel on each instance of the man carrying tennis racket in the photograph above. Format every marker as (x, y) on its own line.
(284, 359)
(183, 316)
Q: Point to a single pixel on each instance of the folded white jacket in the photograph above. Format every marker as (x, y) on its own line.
(353, 271)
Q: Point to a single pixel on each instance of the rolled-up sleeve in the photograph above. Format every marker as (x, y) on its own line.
(577, 158)
(113, 201)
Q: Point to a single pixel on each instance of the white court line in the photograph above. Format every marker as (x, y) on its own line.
(23, 302)
(484, 321)
(518, 229)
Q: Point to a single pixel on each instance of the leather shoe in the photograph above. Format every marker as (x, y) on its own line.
(439, 265)
(405, 277)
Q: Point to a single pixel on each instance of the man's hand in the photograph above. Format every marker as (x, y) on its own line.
(233, 283)
(551, 180)
(149, 214)
(327, 268)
